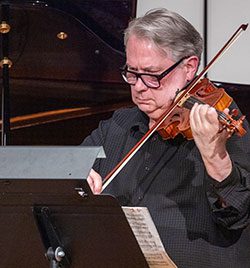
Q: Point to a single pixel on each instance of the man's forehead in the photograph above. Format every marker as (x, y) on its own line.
(148, 62)
(144, 51)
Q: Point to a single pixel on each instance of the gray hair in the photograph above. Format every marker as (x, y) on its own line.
(169, 31)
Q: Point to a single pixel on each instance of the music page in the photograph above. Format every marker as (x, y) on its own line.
(147, 237)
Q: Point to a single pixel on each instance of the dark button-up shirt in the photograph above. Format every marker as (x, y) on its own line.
(169, 178)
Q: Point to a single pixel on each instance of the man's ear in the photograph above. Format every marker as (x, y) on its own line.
(191, 65)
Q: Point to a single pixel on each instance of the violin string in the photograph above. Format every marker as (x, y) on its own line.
(189, 103)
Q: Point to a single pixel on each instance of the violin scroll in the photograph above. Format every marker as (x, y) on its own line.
(234, 126)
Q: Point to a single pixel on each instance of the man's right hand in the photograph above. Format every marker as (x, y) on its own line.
(95, 182)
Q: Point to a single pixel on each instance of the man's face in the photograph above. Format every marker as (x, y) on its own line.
(144, 56)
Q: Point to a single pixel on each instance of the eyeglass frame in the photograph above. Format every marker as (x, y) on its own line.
(159, 77)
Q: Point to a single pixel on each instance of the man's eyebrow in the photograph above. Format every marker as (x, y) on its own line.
(131, 68)
(148, 69)
(152, 69)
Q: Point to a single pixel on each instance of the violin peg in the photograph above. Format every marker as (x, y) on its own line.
(234, 112)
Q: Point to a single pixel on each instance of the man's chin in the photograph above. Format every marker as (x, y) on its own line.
(145, 108)
(149, 112)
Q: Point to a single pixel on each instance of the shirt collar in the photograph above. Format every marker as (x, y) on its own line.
(140, 124)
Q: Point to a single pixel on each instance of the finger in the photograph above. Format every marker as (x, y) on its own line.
(197, 120)
(202, 111)
(226, 111)
(192, 116)
(211, 115)
(96, 181)
(91, 183)
(98, 186)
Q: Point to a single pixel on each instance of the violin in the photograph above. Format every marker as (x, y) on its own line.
(175, 120)
(203, 93)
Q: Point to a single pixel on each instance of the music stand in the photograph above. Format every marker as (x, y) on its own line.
(60, 217)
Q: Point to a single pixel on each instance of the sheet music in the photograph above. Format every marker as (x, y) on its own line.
(147, 237)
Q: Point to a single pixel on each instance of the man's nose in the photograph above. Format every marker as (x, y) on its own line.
(139, 85)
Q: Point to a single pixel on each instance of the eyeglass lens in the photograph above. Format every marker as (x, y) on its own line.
(150, 80)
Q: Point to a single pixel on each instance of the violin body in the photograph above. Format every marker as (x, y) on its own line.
(204, 92)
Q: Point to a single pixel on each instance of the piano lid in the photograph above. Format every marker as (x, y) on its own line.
(66, 53)
(68, 40)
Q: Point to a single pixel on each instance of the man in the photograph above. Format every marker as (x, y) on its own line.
(197, 191)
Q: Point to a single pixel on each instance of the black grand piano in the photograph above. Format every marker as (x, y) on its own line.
(65, 58)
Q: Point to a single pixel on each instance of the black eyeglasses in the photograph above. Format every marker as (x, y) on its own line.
(150, 80)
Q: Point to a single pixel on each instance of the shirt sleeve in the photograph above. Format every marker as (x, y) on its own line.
(230, 199)
(97, 138)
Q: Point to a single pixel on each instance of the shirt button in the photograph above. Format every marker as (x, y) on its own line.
(154, 138)
(147, 168)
